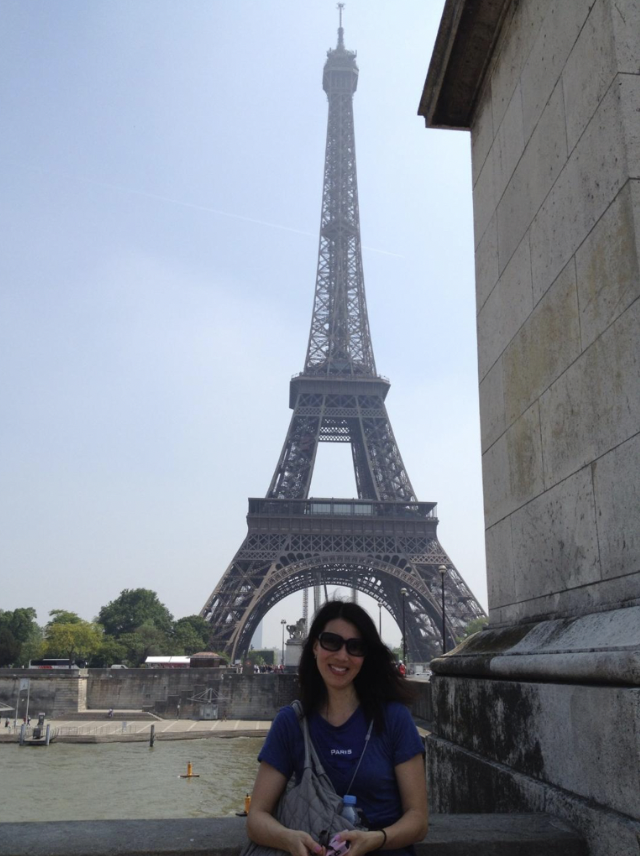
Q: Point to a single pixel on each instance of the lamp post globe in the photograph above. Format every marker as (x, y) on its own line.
(443, 572)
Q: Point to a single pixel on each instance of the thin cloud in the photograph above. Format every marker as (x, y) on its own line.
(120, 188)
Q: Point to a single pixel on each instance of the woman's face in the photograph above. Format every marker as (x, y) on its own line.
(338, 668)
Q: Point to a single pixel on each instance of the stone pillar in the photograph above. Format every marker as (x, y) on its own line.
(541, 711)
(292, 654)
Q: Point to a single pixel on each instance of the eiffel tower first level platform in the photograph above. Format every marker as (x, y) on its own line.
(383, 543)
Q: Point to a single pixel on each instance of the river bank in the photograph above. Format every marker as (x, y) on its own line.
(104, 730)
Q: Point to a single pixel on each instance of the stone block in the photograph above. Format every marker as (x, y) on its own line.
(595, 405)
(607, 266)
(591, 179)
(484, 201)
(589, 71)
(558, 33)
(486, 258)
(555, 545)
(606, 593)
(607, 833)
(495, 481)
(544, 347)
(481, 132)
(548, 732)
(500, 568)
(512, 468)
(508, 144)
(625, 17)
(522, 26)
(505, 310)
(460, 781)
(543, 159)
(492, 414)
(617, 494)
(629, 89)
(524, 450)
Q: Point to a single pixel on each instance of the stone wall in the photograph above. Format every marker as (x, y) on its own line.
(541, 711)
(241, 696)
(159, 690)
(556, 172)
(53, 692)
(495, 835)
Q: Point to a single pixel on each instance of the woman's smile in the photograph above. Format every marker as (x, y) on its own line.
(338, 668)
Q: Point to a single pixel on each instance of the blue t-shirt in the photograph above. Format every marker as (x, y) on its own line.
(339, 749)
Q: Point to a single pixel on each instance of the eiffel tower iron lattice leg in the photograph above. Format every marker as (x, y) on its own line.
(385, 541)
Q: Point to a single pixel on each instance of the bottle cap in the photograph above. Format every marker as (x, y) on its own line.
(347, 799)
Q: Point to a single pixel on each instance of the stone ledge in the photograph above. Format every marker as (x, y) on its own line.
(601, 648)
(449, 835)
(465, 41)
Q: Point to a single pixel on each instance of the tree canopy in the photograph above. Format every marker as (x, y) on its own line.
(77, 640)
(127, 630)
(63, 616)
(20, 636)
(132, 609)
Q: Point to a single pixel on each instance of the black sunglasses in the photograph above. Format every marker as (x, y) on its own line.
(334, 642)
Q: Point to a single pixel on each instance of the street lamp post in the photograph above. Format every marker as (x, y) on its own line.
(443, 571)
(283, 622)
(404, 594)
(380, 620)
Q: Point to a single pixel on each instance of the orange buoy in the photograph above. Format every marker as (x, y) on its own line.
(190, 773)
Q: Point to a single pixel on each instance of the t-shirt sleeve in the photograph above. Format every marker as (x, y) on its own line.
(405, 740)
(281, 747)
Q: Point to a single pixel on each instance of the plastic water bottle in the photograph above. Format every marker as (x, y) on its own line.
(349, 811)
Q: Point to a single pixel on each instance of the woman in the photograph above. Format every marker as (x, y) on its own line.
(347, 681)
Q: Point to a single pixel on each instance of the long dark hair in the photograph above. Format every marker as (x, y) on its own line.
(377, 682)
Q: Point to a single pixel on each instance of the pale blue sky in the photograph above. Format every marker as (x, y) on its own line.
(160, 198)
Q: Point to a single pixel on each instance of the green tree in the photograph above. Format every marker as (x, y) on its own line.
(110, 651)
(190, 635)
(10, 648)
(132, 609)
(21, 622)
(18, 627)
(79, 640)
(472, 627)
(265, 656)
(62, 616)
(145, 641)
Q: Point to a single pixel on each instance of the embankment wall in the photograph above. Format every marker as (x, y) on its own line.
(160, 690)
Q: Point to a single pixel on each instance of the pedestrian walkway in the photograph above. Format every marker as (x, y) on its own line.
(113, 731)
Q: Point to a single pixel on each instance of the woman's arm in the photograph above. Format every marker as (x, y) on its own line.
(414, 822)
(263, 828)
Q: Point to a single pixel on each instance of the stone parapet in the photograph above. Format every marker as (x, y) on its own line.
(482, 835)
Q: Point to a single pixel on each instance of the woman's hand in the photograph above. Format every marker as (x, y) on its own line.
(362, 841)
(300, 843)
(263, 828)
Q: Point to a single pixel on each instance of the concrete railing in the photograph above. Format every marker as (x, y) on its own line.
(453, 835)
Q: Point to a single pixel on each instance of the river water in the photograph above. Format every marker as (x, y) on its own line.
(70, 781)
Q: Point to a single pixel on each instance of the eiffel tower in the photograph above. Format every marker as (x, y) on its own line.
(384, 543)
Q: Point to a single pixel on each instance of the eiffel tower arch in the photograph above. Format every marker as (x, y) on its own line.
(384, 543)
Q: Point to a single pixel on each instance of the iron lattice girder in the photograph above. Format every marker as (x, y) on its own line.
(361, 420)
(339, 339)
(375, 547)
(385, 540)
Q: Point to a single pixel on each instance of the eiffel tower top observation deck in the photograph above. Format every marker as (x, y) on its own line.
(340, 340)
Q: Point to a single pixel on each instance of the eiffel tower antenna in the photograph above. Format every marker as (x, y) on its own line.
(385, 542)
(340, 30)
